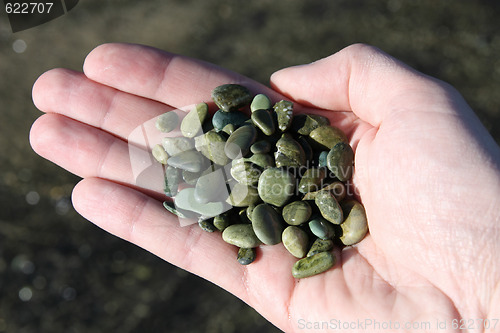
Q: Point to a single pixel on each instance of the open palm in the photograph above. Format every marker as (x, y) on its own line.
(426, 171)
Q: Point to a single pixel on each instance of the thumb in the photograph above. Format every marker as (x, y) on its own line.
(364, 80)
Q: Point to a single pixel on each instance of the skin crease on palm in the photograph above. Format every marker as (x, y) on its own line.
(426, 170)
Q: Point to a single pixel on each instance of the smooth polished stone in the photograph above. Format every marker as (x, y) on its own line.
(160, 154)
(211, 187)
(276, 186)
(340, 161)
(167, 122)
(185, 200)
(260, 147)
(289, 152)
(313, 265)
(207, 225)
(297, 212)
(245, 172)
(190, 160)
(238, 144)
(264, 120)
(211, 145)
(263, 161)
(243, 195)
(267, 224)
(192, 123)
(329, 207)
(222, 221)
(221, 119)
(295, 241)
(246, 256)
(260, 102)
(312, 180)
(230, 97)
(321, 228)
(284, 113)
(320, 245)
(326, 137)
(355, 226)
(336, 188)
(241, 235)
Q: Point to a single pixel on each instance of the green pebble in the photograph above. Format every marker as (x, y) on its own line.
(263, 161)
(241, 235)
(245, 172)
(340, 160)
(211, 187)
(260, 102)
(312, 180)
(264, 120)
(276, 186)
(230, 97)
(297, 212)
(322, 159)
(246, 256)
(222, 221)
(229, 129)
(190, 160)
(211, 145)
(170, 206)
(325, 137)
(185, 200)
(321, 228)
(238, 144)
(172, 178)
(355, 226)
(295, 241)
(207, 225)
(192, 123)
(329, 207)
(260, 147)
(304, 124)
(320, 245)
(284, 113)
(243, 195)
(250, 211)
(167, 122)
(221, 119)
(267, 224)
(174, 146)
(160, 154)
(289, 152)
(336, 188)
(308, 151)
(313, 265)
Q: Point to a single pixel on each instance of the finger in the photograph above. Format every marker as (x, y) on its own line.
(364, 80)
(172, 79)
(72, 94)
(141, 220)
(89, 152)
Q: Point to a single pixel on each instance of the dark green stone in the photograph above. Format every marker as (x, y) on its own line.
(246, 256)
(276, 186)
(308, 151)
(221, 119)
(261, 147)
(325, 137)
(320, 245)
(230, 97)
(207, 225)
(322, 159)
(329, 207)
(312, 180)
(321, 228)
(336, 188)
(313, 265)
(238, 144)
(304, 124)
(267, 224)
(222, 221)
(264, 121)
(284, 112)
(297, 212)
(185, 214)
(289, 152)
(340, 161)
(264, 161)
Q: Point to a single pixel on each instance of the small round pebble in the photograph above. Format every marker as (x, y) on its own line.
(167, 122)
(246, 256)
(295, 241)
(241, 235)
(313, 265)
(297, 212)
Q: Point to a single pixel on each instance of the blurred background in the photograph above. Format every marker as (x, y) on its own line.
(60, 273)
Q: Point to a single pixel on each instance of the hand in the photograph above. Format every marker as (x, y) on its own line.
(427, 172)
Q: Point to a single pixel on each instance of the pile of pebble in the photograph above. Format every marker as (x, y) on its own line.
(268, 178)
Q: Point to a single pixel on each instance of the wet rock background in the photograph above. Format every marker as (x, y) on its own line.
(59, 273)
